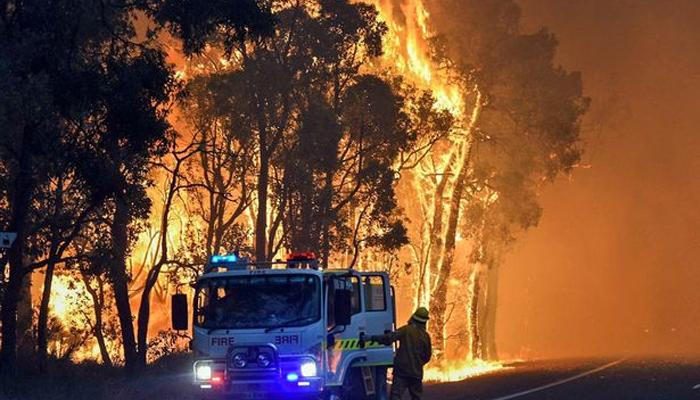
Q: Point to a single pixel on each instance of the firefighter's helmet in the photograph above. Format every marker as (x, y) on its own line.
(421, 315)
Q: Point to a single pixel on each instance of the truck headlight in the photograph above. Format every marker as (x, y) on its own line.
(308, 368)
(264, 360)
(239, 360)
(203, 372)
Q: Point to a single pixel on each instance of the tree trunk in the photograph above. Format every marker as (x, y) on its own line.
(22, 190)
(438, 303)
(120, 282)
(437, 298)
(100, 337)
(25, 317)
(42, 339)
(437, 230)
(144, 315)
(490, 313)
(98, 301)
(487, 328)
(474, 315)
(261, 223)
(438, 309)
(142, 324)
(8, 357)
(326, 220)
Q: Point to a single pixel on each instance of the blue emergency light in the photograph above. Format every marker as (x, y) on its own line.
(292, 377)
(225, 259)
(231, 261)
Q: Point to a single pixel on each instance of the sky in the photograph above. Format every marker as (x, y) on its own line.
(614, 265)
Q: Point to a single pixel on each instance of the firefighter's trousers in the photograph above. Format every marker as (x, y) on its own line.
(399, 384)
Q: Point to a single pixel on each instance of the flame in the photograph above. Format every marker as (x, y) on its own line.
(407, 49)
(64, 297)
(453, 371)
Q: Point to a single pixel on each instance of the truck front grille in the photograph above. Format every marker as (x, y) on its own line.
(253, 375)
(252, 370)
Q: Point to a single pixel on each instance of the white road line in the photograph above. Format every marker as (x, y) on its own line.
(560, 382)
(696, 387)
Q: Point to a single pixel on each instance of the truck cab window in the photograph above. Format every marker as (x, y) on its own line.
(374, 290)
(257, 302)
(356, 305)
(356, 300)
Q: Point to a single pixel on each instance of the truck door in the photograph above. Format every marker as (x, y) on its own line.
(346, 340)
(378, 309)
(378, 304)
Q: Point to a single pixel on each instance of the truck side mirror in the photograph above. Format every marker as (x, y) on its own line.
(343, 307)
(179, 312)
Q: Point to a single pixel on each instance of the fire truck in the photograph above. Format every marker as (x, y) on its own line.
(288, 329)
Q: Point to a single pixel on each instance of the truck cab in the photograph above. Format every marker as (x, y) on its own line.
(288, 330)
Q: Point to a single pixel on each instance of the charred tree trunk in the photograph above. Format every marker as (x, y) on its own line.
(21, 195)
(120, 282)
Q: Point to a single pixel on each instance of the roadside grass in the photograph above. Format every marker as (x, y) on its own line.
(168, 378)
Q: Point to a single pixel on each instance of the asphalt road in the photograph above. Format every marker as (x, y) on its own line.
(626, 379)
(609, 379)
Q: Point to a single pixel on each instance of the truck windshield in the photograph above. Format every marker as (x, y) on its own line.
(263, 301)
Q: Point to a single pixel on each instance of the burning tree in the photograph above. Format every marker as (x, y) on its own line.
(519, 129)
(394, 131)
(309, 127)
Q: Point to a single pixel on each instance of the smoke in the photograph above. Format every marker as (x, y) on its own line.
(613, 266)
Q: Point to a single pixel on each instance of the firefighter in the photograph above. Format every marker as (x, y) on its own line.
(413, 353)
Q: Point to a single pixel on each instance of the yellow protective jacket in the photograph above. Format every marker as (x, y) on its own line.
(414, 349)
